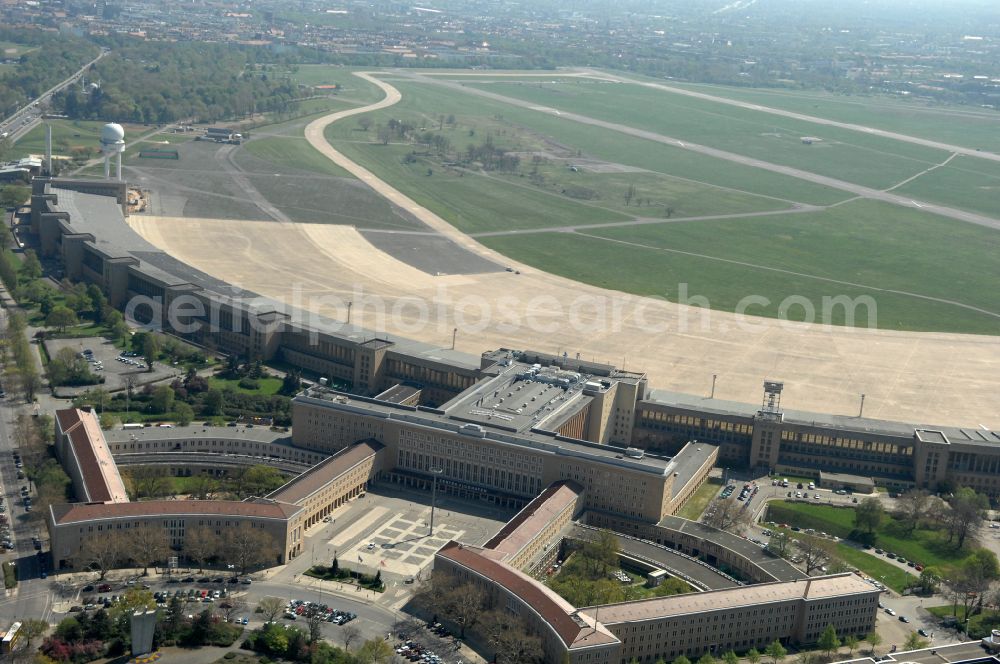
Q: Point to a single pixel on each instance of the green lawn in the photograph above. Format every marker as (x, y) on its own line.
(927, 547)
(875, 567)
(696, 504)
(295, 153)
(268, 386)
(840, 153)
(900, 258)
(980, 625)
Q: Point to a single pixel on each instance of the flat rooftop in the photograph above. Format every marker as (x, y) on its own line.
(685, 464)
(541, 443)
(779, 568)
(731, 598)
(512, 401)
(200, 432)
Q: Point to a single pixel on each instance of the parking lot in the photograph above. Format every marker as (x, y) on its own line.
(106, 359)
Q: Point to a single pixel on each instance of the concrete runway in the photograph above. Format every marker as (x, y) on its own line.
(929, 378)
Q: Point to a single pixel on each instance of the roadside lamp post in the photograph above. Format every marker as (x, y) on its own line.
(435, 471)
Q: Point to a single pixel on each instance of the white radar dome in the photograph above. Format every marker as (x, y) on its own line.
(112, 133)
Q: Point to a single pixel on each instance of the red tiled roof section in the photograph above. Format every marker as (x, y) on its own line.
(324, 472)
(102, 483)
(80, 512)
(535, 516)
(553, 609)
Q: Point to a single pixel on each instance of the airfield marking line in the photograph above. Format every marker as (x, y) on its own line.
(947, 147)
(923, 173)
(794, 273)
(833, 183)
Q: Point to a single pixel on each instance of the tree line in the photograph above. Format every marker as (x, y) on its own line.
(55, 57)
(160, 82)
(244, 547)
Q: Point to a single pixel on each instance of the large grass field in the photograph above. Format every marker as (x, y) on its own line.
(881, 248)
(924, 546)
(840, 153)
(477, 202)
(294, 153)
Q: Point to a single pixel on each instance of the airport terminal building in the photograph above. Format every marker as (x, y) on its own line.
(82, 223)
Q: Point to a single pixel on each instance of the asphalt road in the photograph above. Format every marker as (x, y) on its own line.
(32, 596)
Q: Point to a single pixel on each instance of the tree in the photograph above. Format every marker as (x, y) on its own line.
(13, 195)
(779, 543)
(149, 346)
(270, 608)
(103, 551)
(914, 642)
(828, 641)
(61, 317)
(730, 657)
(147, 481)
(776, 651)
(163, 399)
(148, 545)
(248, 548)
(681, 659)
(851, 642)
(868, 515)
(31, 266)
(349, 634)
(965, 516)
(601, 553)
(374, 651)
(364, 122)
(629, 194)
(314, 617)
(910, 508)
(213, 402)
(753, 656)
(874, 640)
(706, 659)
(464, 605)
(184, 413)
(31, 629)
(200, 544)
(929, 580)
(232, 607)
(816, 553)
(728, 514)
